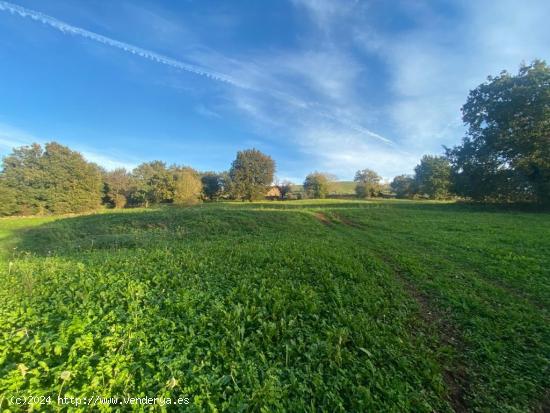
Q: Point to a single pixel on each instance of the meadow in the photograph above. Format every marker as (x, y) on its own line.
(280, 306)
(337, 188)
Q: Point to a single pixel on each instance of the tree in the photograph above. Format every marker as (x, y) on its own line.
(54, 179)
(8, 197)
(116, 188)
(284, 187)
(152, 184)
(212, 185)
(367, 183)
(251, 174)
(506, 153)
(23, 174)
(433, 177)
(72, 184)
(187, 186)
(317, 185)
(403, 186)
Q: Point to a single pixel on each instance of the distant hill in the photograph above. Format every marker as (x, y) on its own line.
(337, 188)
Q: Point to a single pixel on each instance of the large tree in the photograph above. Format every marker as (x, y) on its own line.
(317, 185)
(54, 179)
(404, 186)
(433, 177)
(251, 174)
(506, 153)
(367, 183)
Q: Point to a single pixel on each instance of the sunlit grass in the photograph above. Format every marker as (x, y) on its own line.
(335, 305)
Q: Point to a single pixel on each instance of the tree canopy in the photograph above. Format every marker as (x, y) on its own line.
(367, 183)
(8, 203)
(53, 179)
(213, 184)
(404, 186)
(117, 187)
(153, 183)
(317, 185)
(506, 153)
(251, 175)
(433, 177)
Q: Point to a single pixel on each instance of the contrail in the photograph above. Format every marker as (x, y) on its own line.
(165, 60)
(147, 54)
(301, 104)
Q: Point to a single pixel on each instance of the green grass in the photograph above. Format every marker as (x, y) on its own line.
(281, 306)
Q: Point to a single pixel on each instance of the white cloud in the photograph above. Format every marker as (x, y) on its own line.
(107, 161)
(323, 12)
(433, 67)
(342, 153)
(329, 73)
(206, 112)
(313, 96)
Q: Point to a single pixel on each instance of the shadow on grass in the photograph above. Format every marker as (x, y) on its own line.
(418, 205)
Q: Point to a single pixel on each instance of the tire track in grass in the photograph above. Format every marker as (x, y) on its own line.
(455, 376)
(447, 334)
(505, 338)
(322, 218)
(499, 283)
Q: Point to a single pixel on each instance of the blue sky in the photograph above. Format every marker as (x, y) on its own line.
(324, 85)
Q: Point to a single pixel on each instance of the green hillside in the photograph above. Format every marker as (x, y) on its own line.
(337, 188)
(280, 306)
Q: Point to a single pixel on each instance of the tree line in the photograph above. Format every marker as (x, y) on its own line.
(504, 157)
(57, 180)
(432, 179)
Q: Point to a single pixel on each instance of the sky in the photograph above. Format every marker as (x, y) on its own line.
(327, 85)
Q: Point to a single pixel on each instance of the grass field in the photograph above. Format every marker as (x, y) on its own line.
(335, 188)
(282, 306)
